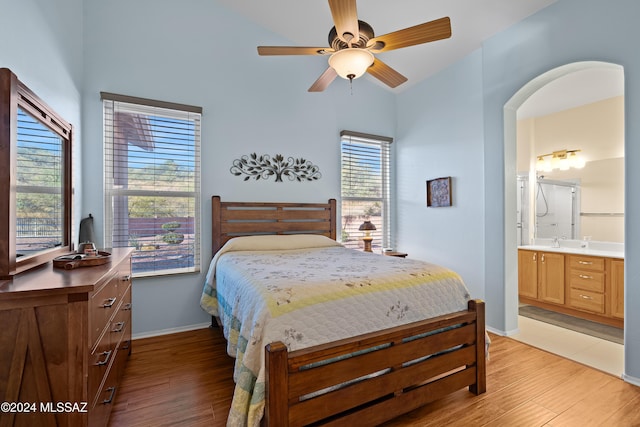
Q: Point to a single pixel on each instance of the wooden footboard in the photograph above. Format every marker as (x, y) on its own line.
(446, 353)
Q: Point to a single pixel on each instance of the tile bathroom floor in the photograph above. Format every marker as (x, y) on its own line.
(600, 354)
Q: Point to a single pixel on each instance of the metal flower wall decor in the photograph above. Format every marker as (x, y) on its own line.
(264, 167)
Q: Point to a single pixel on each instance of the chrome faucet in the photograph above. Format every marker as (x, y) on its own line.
(556, 243)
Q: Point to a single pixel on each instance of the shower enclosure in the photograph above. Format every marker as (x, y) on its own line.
(556, 209)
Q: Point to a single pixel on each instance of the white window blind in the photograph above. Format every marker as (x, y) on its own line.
(365, 188)
(152, 183)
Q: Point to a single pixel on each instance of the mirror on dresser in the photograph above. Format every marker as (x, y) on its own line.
(35, 159)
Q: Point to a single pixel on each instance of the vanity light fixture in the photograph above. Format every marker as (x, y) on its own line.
(562, 159)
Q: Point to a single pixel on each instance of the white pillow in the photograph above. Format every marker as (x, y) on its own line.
(278, 242)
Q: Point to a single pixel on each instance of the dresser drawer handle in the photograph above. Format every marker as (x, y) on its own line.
(112, 392)
(107, 355)
(582, 276)
(585, 262)
(126, 278)
(126, 307)
(126, 345)
(118, 327)
(586, 297)
(109, 302)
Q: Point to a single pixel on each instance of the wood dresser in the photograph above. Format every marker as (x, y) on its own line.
(65, 337)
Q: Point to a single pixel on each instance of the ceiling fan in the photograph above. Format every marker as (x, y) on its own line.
(353, 45)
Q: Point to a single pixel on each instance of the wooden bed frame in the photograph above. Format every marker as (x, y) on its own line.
(452, 346)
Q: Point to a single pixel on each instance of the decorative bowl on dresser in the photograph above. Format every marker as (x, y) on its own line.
(65, 339)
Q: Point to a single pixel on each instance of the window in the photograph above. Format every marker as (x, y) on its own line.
(152, 183)
(365, 188)
(35, 165)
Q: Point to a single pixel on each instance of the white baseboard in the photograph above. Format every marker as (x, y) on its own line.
(495, 331)
(631, 380)
(501, 332)
(512, 332)
(170, 331)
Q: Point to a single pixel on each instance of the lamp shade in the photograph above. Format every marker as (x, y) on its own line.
(576, 161)
(351, 63)
(367, 226)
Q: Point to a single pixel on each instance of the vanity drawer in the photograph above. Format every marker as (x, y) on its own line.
(586, 300)
(586, 263)
(587, 280)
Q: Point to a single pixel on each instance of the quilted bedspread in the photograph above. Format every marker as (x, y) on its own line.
(313, 294)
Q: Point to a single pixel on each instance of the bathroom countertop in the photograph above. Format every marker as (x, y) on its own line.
(595, 251)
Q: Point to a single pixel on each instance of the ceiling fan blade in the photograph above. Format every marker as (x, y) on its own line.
(324, 80)
(345, 18)
(386, 74)
(293, 50)
(422, 33)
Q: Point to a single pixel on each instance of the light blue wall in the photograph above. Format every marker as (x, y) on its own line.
(206, 55)
(566, 32)
(440, 133)
(41, 43)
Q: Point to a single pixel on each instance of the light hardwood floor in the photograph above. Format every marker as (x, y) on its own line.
(185, 379)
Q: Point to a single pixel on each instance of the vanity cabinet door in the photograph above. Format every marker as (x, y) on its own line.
(617, 288)
(551, 277)
(528, 273)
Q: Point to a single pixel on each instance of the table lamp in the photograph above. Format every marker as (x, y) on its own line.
(367, 227)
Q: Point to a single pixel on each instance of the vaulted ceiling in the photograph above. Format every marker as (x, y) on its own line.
(307, 23)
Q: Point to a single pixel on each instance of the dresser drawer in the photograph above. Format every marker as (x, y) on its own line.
(587, 300)
(120, 322)
(124, 278)
(101, 408)
(586, 263)
(588, 280)
(124, 350)
(100, 361)
(102, 306)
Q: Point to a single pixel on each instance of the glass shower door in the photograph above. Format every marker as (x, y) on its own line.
(556, 210)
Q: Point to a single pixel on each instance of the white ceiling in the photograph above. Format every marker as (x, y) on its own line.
(575, 89)
(307, 23)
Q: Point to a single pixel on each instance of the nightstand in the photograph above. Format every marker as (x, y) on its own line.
(395, 253)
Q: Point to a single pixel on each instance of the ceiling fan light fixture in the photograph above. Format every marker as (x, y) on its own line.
(351, 63)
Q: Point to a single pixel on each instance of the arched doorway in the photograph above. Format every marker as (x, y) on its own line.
(510, 170)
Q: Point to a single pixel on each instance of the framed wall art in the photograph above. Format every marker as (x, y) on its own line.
(439, 192)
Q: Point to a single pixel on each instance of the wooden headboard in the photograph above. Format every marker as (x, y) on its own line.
(231, 219)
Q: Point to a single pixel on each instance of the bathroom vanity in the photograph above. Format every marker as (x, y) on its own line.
(585, 282)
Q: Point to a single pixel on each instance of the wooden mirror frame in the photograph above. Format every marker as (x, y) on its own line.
(13, 95)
